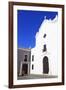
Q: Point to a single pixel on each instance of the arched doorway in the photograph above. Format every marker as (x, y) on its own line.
(45, 65)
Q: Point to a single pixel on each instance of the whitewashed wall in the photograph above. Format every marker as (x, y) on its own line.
(50, 28)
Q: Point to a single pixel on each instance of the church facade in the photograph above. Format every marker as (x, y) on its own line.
(45, 52)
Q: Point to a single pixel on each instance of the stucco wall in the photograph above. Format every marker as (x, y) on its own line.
(48, 27)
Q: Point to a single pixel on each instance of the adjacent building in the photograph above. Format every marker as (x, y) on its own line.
(24, 61)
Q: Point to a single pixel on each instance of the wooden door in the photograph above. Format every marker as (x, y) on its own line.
(45, 65)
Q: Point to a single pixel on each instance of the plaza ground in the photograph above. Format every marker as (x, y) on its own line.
(32, 76)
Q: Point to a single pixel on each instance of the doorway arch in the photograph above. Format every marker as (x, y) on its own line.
(45, 65)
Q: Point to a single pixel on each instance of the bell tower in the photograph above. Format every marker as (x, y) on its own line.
(45, 58)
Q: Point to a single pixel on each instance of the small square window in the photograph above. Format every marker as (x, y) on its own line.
(26, 56)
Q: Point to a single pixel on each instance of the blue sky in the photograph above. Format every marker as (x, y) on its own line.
(28, 24)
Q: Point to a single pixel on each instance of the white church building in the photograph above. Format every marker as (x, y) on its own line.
(43, 57)
(44, 54)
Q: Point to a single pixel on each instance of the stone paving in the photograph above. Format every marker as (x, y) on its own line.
(31, 76)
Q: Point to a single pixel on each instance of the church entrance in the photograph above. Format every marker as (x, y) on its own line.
(45, 65)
